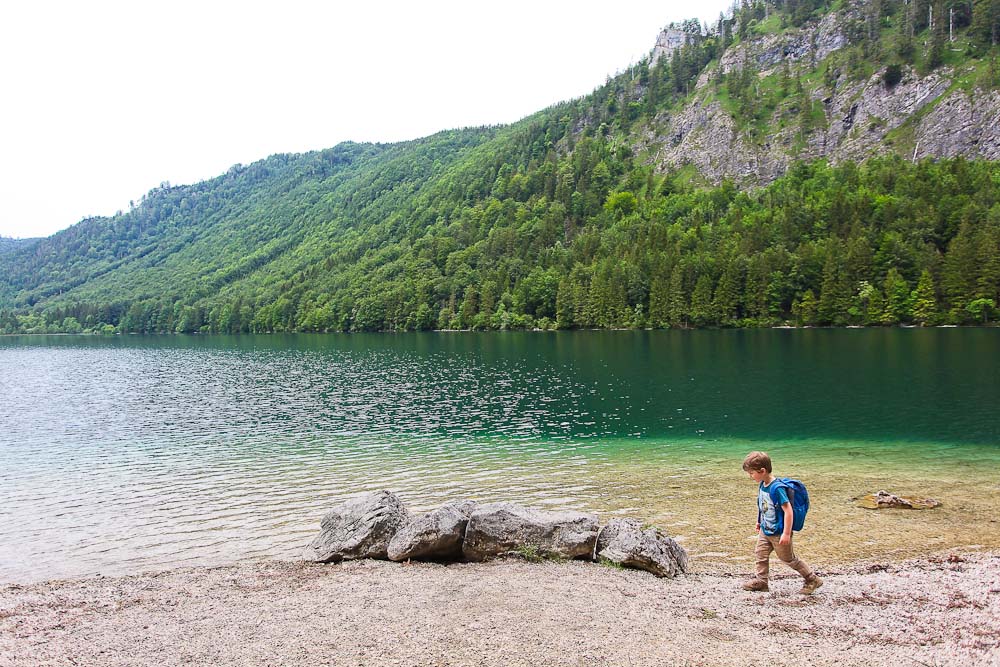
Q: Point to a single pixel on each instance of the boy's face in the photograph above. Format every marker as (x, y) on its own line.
(757, 475)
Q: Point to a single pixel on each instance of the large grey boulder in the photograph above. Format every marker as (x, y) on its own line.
(624, 541)
(496, 529)
(436, 535)
(359, 528)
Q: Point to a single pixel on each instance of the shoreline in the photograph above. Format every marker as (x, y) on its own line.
(938, 610)
(783, 327)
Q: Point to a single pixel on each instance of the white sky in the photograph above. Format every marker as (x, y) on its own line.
(102, 101)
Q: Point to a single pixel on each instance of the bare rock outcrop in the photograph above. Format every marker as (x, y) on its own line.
(497, 529)
(961, 124)
(436, 535)
(811, 44)
(361, 527)
(625, 542)
(920, 116)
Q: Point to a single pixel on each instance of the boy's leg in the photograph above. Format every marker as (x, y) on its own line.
(787, 556)
(762, 555)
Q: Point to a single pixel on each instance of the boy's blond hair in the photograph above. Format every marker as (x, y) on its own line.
(756, 461)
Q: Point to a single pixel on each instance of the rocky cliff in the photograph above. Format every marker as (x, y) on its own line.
(940, 113)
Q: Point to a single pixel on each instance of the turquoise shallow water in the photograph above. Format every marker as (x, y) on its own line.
(128, 453)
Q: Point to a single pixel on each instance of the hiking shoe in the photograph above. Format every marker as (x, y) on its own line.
(756, 585)
(810, 585)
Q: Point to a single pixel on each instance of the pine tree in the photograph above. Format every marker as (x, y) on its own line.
(834, 293)
(755, 289)
(961, 272)
(804, 309)
(986, 20)
(988, 262)
(939, 27)
(726, 301)
(897, 298)
(659, 301)
(701, 301)
(470, 306)
(924, 300)
(565, 304)
(677, 307)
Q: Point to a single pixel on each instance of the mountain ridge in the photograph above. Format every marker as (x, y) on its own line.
(616, 209)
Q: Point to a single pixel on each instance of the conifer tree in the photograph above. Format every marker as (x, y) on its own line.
(677, 307)
(897, 298)
(924, 300)
(988, 262)
(727, 294)
(804, 309)
(960, 271)
(659, 301)
(986, 20)
(564, 304)
(701, 301)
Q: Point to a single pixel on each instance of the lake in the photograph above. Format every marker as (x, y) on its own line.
(130, 453)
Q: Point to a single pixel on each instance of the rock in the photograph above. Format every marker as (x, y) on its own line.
(669, 40)
(623, 541)
(886, 500)
(496, 529)
(436, 535)
(359, 528)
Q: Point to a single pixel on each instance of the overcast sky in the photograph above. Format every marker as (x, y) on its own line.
(102, 101)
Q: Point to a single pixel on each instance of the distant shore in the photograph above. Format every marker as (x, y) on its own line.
(939, 611)
(107, 334)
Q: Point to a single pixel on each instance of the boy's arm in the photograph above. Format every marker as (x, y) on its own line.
(786, 531)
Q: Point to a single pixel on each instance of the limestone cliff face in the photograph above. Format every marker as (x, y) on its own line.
(668, 41)
(921, 116)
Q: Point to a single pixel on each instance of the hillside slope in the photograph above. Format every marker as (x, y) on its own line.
(619, 209)
(864, 79)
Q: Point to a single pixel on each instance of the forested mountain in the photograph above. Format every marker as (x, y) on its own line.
(800, 162)
(9, 244)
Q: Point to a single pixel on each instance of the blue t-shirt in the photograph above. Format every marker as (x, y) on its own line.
(772, 519)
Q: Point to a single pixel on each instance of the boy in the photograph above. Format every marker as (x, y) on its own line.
(774, 527)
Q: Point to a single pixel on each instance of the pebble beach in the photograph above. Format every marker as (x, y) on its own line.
(938, 611)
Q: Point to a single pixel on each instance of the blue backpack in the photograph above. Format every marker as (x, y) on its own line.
(797, 496)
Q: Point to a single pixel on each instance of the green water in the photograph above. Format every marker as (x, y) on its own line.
(127, 453)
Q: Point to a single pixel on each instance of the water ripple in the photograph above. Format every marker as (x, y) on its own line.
(142, 453)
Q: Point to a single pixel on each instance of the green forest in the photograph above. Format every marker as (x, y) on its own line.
(558, 221)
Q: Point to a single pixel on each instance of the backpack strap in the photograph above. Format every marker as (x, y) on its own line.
(772, 491)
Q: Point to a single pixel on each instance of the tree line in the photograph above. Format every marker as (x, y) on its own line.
(887, 242)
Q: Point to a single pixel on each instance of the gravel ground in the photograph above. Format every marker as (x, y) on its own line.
(936, 612)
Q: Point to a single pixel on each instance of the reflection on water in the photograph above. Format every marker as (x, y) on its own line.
(124, 454)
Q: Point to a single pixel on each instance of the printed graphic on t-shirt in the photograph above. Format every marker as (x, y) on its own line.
(768, 517)
(768, 510)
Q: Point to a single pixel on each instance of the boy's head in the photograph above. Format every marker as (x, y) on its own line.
(756, 462)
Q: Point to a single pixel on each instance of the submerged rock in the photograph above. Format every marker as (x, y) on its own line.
(623, 541)
(361, 527)
(436, 535)
(496, 529)
(886, 500)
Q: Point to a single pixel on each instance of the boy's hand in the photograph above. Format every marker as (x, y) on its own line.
(786, 534)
